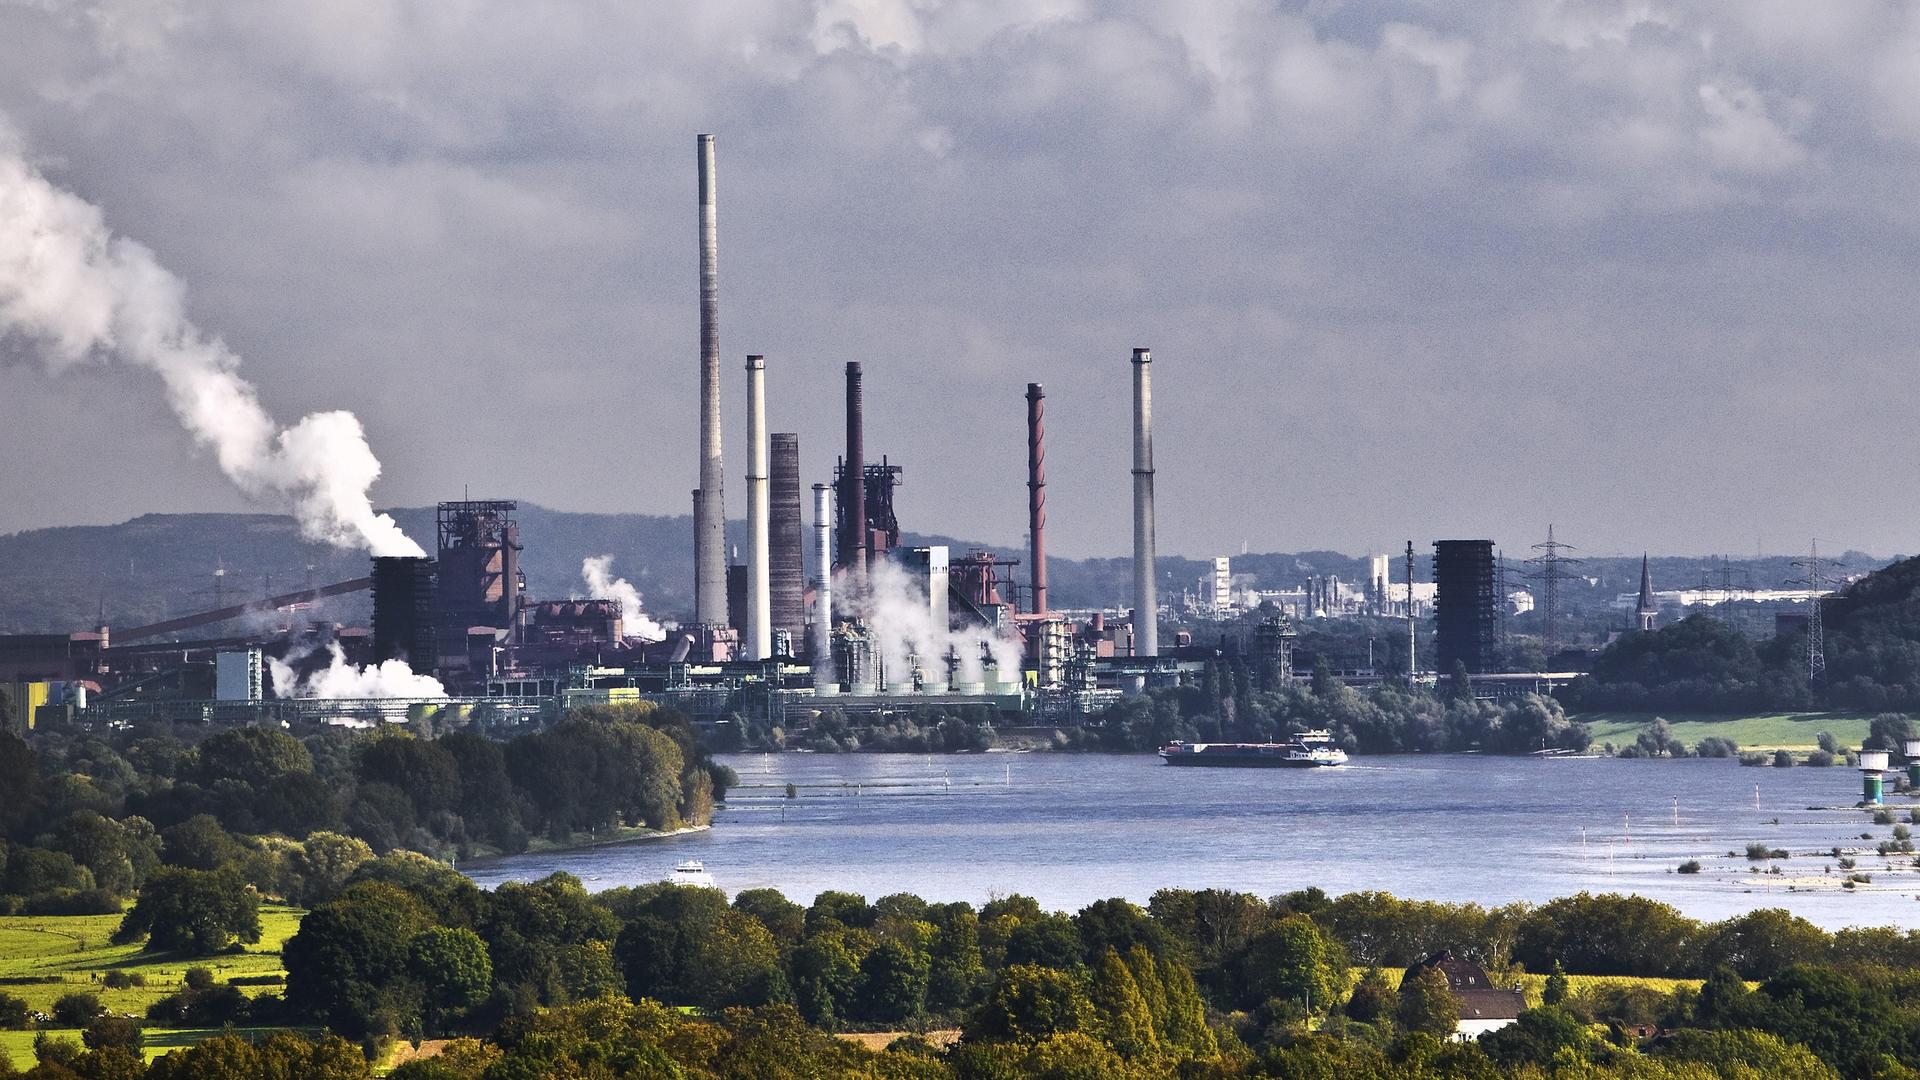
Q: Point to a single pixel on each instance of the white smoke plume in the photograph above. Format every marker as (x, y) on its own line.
(82, 293)
(597, 572)
(340, 680)
(894, 607)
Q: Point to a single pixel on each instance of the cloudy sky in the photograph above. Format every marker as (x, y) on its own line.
(1645, 270)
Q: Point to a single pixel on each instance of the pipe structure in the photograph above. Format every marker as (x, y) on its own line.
(853, 521)
(1146, 607)
(759, 643)
(787, 568)
(1037, 494)
(710, 520)
(822, 590)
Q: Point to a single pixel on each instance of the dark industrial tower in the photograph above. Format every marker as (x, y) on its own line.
(1465, 605)
(709, 506)
(403, 620)
(789, 574)
(478, 578)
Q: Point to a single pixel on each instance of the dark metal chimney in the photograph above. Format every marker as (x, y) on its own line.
(1037, 493)
(853, 534)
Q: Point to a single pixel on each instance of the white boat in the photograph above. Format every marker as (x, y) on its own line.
(693, 872)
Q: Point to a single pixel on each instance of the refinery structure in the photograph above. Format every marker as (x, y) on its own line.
(798, 618)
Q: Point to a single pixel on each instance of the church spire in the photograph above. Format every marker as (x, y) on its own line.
(1644, 611)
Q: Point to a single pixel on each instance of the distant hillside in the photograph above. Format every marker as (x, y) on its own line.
(162, 565)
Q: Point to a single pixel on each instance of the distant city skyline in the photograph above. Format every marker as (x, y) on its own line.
(1643, 271)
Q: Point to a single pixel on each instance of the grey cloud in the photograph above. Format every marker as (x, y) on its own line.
(1639, 268)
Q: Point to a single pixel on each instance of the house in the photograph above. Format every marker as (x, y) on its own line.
(1484, 1007)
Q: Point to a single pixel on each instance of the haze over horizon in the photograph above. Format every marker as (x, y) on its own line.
(1639, 269)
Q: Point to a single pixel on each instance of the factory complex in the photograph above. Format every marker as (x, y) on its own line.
(832, 614)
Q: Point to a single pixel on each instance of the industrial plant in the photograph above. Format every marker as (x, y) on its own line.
(786, 628)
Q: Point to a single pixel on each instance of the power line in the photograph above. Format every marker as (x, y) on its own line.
(1815, 580)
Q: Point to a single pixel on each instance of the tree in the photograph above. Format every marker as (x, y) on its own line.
(1427, 1004)
(112, 1031)
(20, 779)
(453, 971)
(1186, 1014)
(1029, 1003)
(322, 864)
(1118, 925)
(893, 982)
(193, 911)
(347, 965)
(1293, 960)
(825, 976)
(1555, 991)
(1124, 1021)
(199, 843)
(77, 1009)
(1608, 935)
(1372, 999)
(1539, 1037)
(1050, 940)
(1760, 944)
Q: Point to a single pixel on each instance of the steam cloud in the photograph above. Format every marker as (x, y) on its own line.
(82, 293)
(894, 607)
(340, 680)
(597, 572)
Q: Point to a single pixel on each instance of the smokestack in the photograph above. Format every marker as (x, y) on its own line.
(1146, 608)
(759, 641)
(710, 522)
(1037, 493)
(853, 507)
(787, 573)
(822, 590)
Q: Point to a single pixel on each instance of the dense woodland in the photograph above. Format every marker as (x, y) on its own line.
(1700, 664)
(545, 980)
(88, 820)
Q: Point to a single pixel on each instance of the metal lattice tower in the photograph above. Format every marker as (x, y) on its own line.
(1815, 580)
(1550, 569)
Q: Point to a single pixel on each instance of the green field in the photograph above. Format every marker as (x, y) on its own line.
(68, 953)
(1768, 731)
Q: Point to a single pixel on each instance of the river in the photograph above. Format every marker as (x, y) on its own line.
(1072, 828)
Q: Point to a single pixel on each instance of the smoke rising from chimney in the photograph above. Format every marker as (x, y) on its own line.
(81, 293)
(340, 681)
(597, 572)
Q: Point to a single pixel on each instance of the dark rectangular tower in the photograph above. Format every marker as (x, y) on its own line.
(1466, 611)
(788, 568)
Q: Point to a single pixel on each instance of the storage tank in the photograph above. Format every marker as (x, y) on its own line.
(1872, 764)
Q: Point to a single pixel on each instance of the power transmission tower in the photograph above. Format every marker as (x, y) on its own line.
(1550, 569)
(1815, 581)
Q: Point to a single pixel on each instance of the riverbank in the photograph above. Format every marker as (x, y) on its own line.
(625, 834)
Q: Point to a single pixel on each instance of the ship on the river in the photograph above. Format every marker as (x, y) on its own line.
(1306, 749)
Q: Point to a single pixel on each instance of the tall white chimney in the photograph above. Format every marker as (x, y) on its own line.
(822, 590)
(710, 520)
(1146, 607)
(759, 634)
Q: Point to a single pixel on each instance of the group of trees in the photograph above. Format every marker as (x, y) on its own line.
(1702, 664)
(545, 979)
(1237, 703)
(88, 821)
(927, 729)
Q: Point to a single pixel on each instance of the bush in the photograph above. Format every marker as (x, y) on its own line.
(15, 1015)
(192, 910)
(1782, 759)
(1715, 746)
(1820, 759)
(1691, 866)
(1883, 816)
(113, 1031)
(72, 902)
(199, 978)
(77, 1009)
(121, 980)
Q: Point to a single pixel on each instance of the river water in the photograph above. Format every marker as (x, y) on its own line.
(1072, 828)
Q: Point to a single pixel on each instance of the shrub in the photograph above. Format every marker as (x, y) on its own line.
(1820, 759)
(112, 1031)
(121, 980)
(15, 1015)
(199, 978)
(1782, 759)
(72, 902)
(77, 1009)
(1691, 866)
(1715, 746)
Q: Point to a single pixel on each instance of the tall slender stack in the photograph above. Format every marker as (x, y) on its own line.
(1146, 607)
(822, 590)
(853, 496)
(788, 569)
(709, 510)
(1037, 493)
(759, 635)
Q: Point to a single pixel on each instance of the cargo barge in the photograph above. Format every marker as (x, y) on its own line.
(1307, 749)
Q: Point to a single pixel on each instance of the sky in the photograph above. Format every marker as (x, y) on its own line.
(1642, 270)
